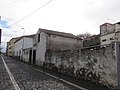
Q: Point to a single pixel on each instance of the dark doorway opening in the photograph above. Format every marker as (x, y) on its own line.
(34, 56)
(30, 56)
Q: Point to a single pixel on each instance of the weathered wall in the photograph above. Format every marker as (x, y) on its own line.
(117, 27)
(97, 65)
(52, 42)
(24, 43)
(55, 42)
(26, 54)
(11, 47)
(107, 37)
(40, 48)
(18, 48)
(28, 42)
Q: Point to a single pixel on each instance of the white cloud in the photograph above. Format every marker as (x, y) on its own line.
(73, 16)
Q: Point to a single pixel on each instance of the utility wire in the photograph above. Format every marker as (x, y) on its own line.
(31, 13)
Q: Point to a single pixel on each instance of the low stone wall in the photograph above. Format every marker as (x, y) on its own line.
(97, 65)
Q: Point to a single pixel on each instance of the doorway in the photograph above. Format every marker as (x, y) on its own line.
(30, 56)
(34, 56)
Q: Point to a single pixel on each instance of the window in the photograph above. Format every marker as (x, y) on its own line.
(39, 37)
(111, 39)
(104, 40)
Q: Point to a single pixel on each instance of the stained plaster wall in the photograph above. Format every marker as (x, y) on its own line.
(40, 48)
(55, 42)
(98, 65)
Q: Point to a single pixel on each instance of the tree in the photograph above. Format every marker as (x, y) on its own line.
(84, 35)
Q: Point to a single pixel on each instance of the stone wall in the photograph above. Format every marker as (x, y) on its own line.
(97, 65)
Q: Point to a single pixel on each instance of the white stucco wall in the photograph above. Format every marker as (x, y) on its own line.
(107, 37)
(117, 27)
(24, 43)
(28, 42)
(26, 55)
(52, 42)
(40, 48)
(18, 48)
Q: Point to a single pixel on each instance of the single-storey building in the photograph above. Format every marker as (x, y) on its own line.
(45, 40)
(23, 48)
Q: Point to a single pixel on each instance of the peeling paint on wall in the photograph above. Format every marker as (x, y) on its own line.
(97, 65)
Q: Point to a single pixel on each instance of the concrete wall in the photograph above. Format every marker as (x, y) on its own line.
(10, 51)
(28, 42)
(107, 37)
(40, 47)
(117, 27)
(26, 55)
(18, 48)
(97, 65)
(107, 28)
(52, 42)
(24, 43)
(62, 43)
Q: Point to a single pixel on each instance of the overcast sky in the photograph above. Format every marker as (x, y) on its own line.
(71, 16)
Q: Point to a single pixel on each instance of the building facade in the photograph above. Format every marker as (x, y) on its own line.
(108, 33)
(10, 46)
(23, 46)
(52, 40)
(91, 41)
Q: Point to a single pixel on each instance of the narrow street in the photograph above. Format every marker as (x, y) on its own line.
(28, 78)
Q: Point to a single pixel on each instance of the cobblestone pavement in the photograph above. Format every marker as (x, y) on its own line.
(5, 83)
(28, 78)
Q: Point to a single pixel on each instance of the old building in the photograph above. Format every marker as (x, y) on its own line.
(7, 48)
(91, 41)
(23, 48)
(52, 40)
(108, 33)
(11, 46)
(0, 35)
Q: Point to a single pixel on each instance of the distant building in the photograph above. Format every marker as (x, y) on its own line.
(0, 35)
(108, 33)
(91, 41)
(0, 39)
(23, 47)
(10, 47)
(52, 40)
(7, 48)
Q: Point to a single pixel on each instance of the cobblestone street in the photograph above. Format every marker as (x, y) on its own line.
(5, 83)
(28, 78)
